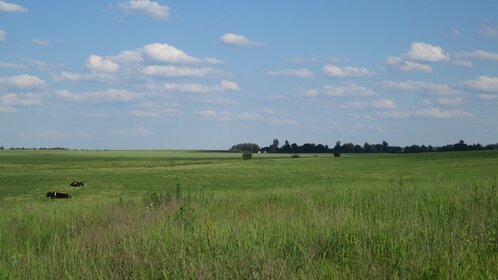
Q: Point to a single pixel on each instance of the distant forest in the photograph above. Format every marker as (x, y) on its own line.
(339, 147)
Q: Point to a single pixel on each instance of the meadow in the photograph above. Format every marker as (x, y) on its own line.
(212, 215)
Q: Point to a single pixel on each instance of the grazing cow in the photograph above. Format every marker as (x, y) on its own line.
(76, 184)
(58, 195)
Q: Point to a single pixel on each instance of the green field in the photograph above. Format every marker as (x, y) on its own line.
(205, 215)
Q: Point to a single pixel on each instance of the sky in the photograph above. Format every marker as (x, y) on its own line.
(146, 74)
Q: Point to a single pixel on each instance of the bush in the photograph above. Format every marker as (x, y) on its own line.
(337, 154)
(246, 155)
(295, 156)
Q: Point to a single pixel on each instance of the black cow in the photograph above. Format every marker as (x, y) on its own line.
(76, 184)
(58, 195)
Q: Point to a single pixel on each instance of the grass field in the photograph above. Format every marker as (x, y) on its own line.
(198, 215)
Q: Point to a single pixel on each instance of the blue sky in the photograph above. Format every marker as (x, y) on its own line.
(210, 74)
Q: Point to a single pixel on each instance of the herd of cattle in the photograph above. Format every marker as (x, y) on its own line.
(74, 184)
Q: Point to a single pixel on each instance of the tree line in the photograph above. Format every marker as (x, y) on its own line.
(339, 147)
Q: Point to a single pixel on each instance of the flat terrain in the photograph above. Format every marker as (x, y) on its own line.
(201, 214)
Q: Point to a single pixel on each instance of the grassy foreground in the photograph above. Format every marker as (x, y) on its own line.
(181, 215)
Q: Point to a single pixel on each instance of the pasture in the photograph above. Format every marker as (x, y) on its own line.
(205, 215)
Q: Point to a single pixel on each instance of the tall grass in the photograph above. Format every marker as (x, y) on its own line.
(381, 231)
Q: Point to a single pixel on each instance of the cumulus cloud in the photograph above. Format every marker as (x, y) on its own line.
(284, 122)
(346, 72)
(294, 73)
(488, 97)
(224, 85)
(213, 115)
(480, 55)
(425, 113)
(99, 97)
(426, 52)
(464, 63)
(23, 82)
(441, 89)
(168, 53)
(482, 83)
(43, 65)
(238, 40)
(349, 89)
(405, 65)
(380, 103)
(181, 71)
(127, 57)
(9, 101)
(487, 29)
(3, 35)
(132, 131)
(156, 112)
(246, 116)
(11, 8)
(147, 8)
(40, 42)
(101, 64)
(9, 65)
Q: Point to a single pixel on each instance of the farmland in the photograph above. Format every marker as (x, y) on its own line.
(200, 214)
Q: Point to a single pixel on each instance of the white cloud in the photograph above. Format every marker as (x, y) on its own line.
(145, 113)
(40, 42)
(487, 30)
(405, 65)
(295, 73)
(455, 32)
(284, 122)
(426, 52)
(168, 53)
(3, 35)
(54, 134)
(213, 115)
(238, 40)
(43, 65)
(22, 82)
(441, 89)
(212, 99)
(8, 65)
(302, 60)
(480, 55)
(181, 71)
(132, 131)
(346, 72)
(69, 76)
(147, 8)
(127, 57)
(101, 64)
(381, 103)
(311, 93)
(454, 101)
(8, 101)
(249, 116)
(99, 97)
(482, 83)
(488, 97)
(14, 99)
(11, 8)
(425, 113)
(464, 63)
(206, 113)
(269, 111)
(224, 85)
(349, 89)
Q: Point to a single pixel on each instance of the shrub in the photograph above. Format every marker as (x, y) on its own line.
(246, 155)
(295, 156)
(337, 154)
